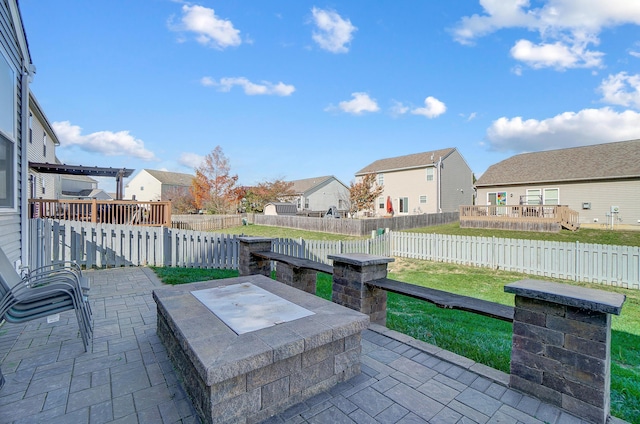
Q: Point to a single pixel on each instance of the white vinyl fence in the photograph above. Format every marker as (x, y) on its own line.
(108, 245)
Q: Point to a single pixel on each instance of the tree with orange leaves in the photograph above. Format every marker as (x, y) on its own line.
(213, 187)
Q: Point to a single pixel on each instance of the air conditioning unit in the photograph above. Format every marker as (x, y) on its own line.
(615, 209)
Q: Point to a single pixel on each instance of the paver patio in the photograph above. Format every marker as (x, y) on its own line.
(127, 377)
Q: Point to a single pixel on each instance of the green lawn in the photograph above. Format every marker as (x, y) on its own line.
(279, 232)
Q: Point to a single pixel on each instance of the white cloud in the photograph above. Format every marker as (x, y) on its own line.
(108, 143)
(588, 126)
(621, 89)
(432, 108)
(360, 103)
(250, 88)
(332, 32)
(210, 30)
(190, 160)
(566, 28)
(398, 108)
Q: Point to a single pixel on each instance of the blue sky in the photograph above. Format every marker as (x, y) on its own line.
(299, 89)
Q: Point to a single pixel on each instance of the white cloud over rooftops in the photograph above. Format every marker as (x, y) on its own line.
(250, 88)
(210, 30)
(332, 32)
(190, 160)
(621, 89)
(360, 104)
(108, 143)
(568, 129)
(566, 28)
(432, 108)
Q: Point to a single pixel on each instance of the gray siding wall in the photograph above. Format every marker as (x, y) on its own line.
(457, 183)
(10, 230)
(327, 195)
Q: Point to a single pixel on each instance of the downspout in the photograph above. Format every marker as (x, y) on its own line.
(439, 185)
(27, 74)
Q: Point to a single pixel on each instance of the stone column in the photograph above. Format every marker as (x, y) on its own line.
(301, 278)
(561, 349)
(351, 273)
(250, 264)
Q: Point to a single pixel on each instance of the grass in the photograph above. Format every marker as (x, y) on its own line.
(583, 235)
(279, 232)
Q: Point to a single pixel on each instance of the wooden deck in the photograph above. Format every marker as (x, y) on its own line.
(545, 218)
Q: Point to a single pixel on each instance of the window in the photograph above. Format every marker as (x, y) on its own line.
(430, 172)
(44, 145)
(340, 204)
(299, 203)
(380, 202)
(8, 99)
(7, 133)
(43, 185)
(306, 203)
(6, 173)
(141, 188)
(534, 197)
(30, 127)
(404, 204)
(551, 196)
(499, 198)
(423, 200)
(380, 179)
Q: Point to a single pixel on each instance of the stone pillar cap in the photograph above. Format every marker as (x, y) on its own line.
(361, 259)
(569, 295)
(252, 239)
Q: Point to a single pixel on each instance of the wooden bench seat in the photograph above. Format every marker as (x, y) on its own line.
(295, 262)
(445, 299)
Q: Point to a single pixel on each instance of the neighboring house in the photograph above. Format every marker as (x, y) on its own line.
(280, 208)
(592, 180)
(16, 70)
(320, 193)
(41, 149)
(81, 187)
(429, 182)
(152, 185)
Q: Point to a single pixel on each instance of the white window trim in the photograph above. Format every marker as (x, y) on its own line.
(544, 197)
(12, 138)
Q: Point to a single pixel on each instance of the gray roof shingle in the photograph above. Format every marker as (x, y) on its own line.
(407, 161)
(301, 186)
(601, 161)
(171, 178)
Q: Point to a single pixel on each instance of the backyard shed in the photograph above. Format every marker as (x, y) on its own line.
(280, 208)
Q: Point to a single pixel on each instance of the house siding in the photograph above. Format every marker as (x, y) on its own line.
(409, 184)
(35, 153)
(144, 187)
(600, 194)
(457, 183)
(328, 194)
(10, 221)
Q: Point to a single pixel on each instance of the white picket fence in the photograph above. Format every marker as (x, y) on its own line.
(108, 245)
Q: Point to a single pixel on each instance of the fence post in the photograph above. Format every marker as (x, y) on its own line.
(250, 264)
(561, 349)
(351, 273)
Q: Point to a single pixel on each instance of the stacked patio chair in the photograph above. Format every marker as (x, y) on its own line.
(43, 292)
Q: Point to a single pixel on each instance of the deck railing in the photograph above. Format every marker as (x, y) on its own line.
(126, 212)
(533, 216)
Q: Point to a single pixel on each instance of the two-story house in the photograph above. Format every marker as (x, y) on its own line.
(429, 182)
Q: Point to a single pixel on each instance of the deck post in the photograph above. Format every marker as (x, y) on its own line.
(561, 349)
(249, 264)
(351, 273)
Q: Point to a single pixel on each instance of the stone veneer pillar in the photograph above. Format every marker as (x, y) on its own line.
(351, 273)
(301, 278)
(562, 344)
(250, 264)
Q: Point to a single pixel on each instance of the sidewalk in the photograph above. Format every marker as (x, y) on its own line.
(127, 376)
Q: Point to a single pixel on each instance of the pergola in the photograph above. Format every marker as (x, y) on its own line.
(91, 171)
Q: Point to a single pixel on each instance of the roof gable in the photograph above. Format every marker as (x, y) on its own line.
(415, 160)
(171, 178)
(302, 186)
(594, 162)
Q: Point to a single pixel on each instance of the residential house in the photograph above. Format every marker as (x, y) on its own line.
(320, 193)
(41, 149)
(601, 182)
(152, 185)
(430, 182)
(16, 70)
